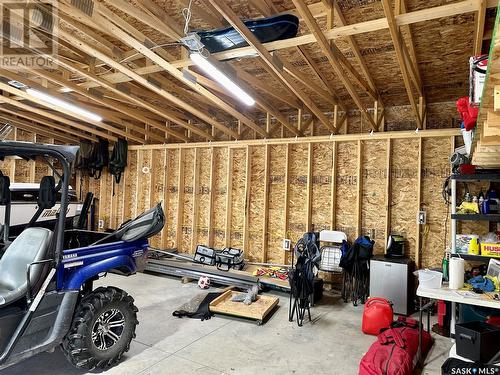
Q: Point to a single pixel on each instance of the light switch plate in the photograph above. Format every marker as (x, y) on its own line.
(286, 244)
(421, 217)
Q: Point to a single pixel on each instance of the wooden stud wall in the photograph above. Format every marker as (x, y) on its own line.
(253, 194)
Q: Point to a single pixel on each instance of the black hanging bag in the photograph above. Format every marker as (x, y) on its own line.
(118, 160)
(84, 156)
(100, 158)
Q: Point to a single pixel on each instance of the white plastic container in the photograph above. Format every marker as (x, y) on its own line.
(429, 279)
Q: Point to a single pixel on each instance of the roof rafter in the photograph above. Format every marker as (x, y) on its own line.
(479, 19)
(115, 107)
(333, 54)
(398, 47)
(109, 117)
(134, 99)
(6, 88)
(49, 124)
(422, 15)
(110, 28)
(273, 65)
(260, 102)
(120, 30)
(37, 128)
(49, 115)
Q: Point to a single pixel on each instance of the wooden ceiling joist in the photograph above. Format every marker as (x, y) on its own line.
(129, 98)
(409, 18)
(123, 31)
(98, 124)
(100, 99)
(354, 46)
(479, 20)
(84, 131)
(109, 116)
(333, 55)
(49, 125)
(260, 102)
(143, 81)
(263, 86)
(273, 65)
(37, 129)
(161, 18)
(398, 47)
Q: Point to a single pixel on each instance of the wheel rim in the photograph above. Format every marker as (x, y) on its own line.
(108, 329)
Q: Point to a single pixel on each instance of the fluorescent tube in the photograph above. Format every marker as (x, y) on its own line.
(209, 68)
(63, 104)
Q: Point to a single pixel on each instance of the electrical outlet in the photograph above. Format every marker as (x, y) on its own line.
(421, 217)
(286, 244)
(101, 224)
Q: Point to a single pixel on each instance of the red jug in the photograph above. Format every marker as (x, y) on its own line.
(378, 314)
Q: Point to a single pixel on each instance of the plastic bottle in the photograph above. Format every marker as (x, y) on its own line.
(445, 265)
(494, 201)
(480, 204)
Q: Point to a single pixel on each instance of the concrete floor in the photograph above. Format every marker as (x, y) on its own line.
(331, 344)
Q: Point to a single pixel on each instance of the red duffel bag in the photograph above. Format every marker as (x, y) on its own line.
(377, 315)
(395, 351)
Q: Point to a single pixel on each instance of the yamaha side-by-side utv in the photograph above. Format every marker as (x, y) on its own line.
(47, 296)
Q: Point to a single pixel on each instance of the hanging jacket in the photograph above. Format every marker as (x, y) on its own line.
(100, 158)
(84, 156)
(118, 160)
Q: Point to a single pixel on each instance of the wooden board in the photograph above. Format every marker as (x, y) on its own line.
(258, 310)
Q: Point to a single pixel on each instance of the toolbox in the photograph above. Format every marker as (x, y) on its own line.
(477, 341)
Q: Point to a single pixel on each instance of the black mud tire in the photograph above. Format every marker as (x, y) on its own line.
(80, 346)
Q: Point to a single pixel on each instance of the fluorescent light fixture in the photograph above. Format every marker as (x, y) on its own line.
(63, 104)
(66, 89)
(204, 64)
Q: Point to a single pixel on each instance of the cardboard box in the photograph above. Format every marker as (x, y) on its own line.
(490, 249)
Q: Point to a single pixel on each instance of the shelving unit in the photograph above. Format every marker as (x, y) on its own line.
(492, 177)
(475, 258)
(455, 218)
(475, 217)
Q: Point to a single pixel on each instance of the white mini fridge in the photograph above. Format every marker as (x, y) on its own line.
(392, 279)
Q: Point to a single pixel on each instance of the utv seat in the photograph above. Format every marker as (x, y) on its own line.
(30, 246)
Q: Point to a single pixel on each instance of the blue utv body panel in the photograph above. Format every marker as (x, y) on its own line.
(80, 264)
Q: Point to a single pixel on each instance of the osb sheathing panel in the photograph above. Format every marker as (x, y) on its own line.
(158, 186)
(256, 207)
(373, 202)
(238, 198)
(276, 203)
(404, 190)
(130, 186)
(435, 169)
(345, 210)
(321, 210)
(472, 227)
(204, 197)
(219, 197)
(23, 167)
(42, 169)
(297, 195)
(170, 229)
(187, 201)
(21, 170)
(105, 195)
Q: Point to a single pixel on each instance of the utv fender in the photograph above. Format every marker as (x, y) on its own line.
(78, 278)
